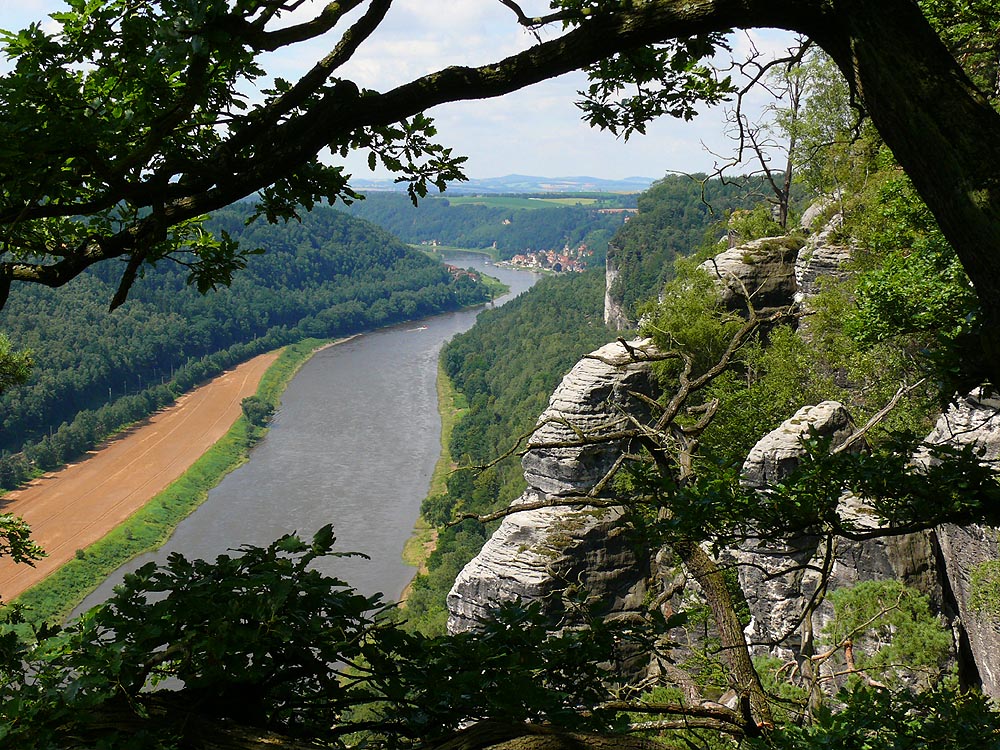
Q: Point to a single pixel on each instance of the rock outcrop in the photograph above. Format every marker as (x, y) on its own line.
(615, 317)
(972, 420)
(822, 257)
(780, 577)
(764, 269)
(555, 553)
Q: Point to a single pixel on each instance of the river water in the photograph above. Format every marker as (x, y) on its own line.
(354, 444)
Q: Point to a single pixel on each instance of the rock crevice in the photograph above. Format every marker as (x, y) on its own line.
(550, 554)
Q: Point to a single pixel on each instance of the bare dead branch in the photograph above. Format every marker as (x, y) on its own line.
(574, 501)
(881, 414)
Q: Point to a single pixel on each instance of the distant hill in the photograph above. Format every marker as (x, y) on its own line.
(503, 225)
(519, 183)
(328, 275)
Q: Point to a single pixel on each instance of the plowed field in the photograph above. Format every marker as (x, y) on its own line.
(76, 506)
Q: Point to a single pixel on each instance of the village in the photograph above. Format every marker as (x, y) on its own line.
(567, 260)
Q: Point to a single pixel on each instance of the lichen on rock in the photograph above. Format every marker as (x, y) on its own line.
(540, 554)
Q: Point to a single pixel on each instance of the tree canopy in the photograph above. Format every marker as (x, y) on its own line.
(137, 125)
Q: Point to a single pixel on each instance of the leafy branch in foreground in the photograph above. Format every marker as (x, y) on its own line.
(136, 121)
(260, 645)
(15, 540)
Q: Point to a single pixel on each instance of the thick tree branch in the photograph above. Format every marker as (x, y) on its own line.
(297, 138)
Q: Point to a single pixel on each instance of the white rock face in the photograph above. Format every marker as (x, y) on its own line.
(972, 420)
(779, 451)
(779, 577)
(812, 214)
(614, 314)
(821, 258)
(765, 268)
(539, 554)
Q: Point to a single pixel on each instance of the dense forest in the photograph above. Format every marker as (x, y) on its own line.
(268, 652)
(676, 215)
(324, 276)
(481, 226)
(506, 366)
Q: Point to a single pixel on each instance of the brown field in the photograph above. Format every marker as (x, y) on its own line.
(74, 507)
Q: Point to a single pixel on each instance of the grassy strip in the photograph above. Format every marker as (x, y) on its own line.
(496, 287)
(451, 406)
(151, 526)
(437, 252)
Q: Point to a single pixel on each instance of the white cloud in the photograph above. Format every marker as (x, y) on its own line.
(537, 130)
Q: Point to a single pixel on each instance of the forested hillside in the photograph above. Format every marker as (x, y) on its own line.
(506, 366)
(328, 275)
(676, 215)
(475, 226)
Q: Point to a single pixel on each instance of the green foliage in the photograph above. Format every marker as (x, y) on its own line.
(669, 79)
(712, 505)
(15, 540)
(789, 697)
(942, 717)
(140, 89)
(984, 588)
(546, 200)
(257, 411)
(970, 28)
(15, 366)
(675, 216)
(407, 149)
(767, 386)
(914, 285)
(890, 628)
(262, 639)
(437, 509)
(690, 317)
(834, 145)
(754, 224)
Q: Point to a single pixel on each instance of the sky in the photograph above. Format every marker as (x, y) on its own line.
(536, 131)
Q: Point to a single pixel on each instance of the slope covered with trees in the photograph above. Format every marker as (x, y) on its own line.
(676, 215)
(328, 275)
(506, 366)
(505, 231)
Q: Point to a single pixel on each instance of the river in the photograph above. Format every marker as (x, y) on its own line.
(354, 444)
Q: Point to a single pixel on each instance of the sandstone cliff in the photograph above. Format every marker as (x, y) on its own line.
(615, 316)
(973, 420)
(549, 553)
(762, 270)
(781, 577)
(553, 554)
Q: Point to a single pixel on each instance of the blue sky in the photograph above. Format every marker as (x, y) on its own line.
(535, 131)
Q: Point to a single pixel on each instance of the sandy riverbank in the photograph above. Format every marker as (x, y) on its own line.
(74, 507)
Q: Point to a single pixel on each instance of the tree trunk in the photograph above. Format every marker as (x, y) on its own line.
(490, 735)
(745, 679)
(940, 127)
